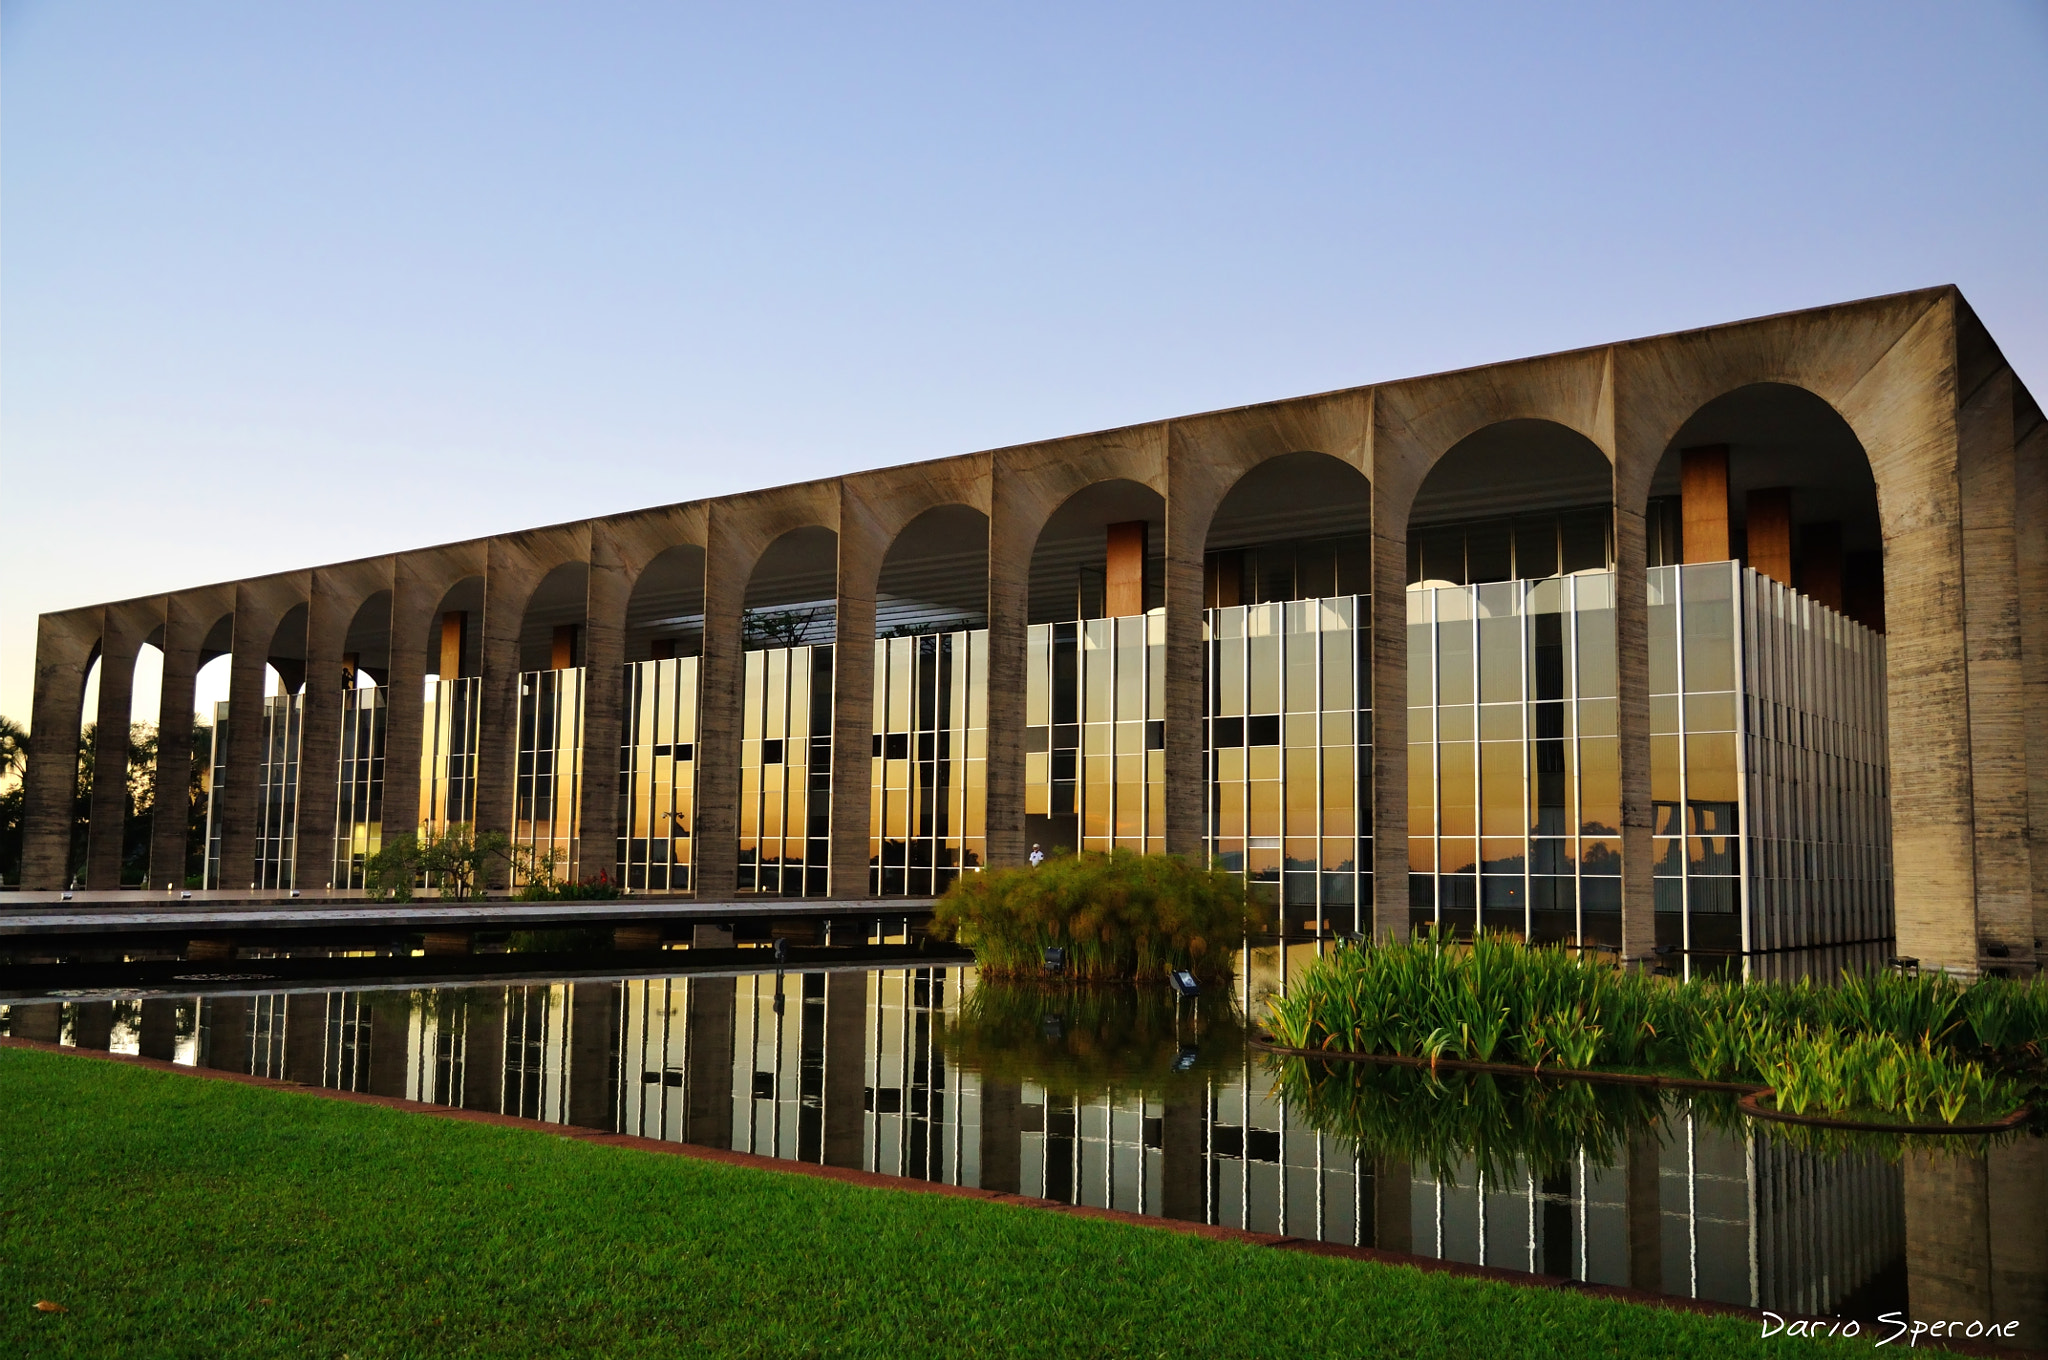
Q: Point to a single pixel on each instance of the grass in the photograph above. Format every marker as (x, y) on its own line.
(175, 1216)
(1919, 1049)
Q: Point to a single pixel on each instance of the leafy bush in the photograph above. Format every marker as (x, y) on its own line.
(1119, 915)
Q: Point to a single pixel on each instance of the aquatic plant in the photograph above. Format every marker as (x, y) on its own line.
(1117, 915)
(1910, 1047)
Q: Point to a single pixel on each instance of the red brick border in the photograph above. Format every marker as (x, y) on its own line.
(877, 1181)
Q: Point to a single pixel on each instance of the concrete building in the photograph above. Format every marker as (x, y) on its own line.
(1734, 640)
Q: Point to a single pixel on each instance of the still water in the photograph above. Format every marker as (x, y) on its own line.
(1137, 1101)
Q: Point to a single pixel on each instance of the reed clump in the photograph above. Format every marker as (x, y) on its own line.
(1119, 915)
(1883, 1046)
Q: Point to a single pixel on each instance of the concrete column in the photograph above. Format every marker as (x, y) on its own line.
(1988, 475)
(1183, 1169)
(1124, 570)
(593, 1075)
(1769, 518)
(305, 1037)
(1948, 1235)
(120, 640)
(42, 1022)
(1632, 677)
(710, 1003)
(2016, 1186)
(716, 847)
(507, 586)
(1012, 536)
(330, 609)
(846, 1021)
(1187, 794)
(92, 1024)
(1820, 563)
(390, 1017)
(1393, 1189)
(236, 806)
(1703, 509)
(861, 549)
(64, 647)
(483, 1050)
(159, 1029)
(226, 1032)
(604, 659)
(1002, 1136)
(184, 631)
(2030, 462)
(413, 601)
(1644, 1213)
(1390, 721)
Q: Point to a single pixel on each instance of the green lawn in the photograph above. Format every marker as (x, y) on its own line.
(175, 1216)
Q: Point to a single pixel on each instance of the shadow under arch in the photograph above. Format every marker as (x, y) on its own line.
(1516, 500)
(792, 593)
(1294, 527)
(1770, 474)
(551, 623)
(665, 613)
(1101, 554)
(934, 577)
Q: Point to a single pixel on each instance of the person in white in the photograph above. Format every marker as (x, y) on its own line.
(1037, 856)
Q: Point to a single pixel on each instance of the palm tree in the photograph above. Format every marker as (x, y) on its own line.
(13, 749)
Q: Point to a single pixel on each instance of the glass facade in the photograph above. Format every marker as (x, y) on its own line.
(929, 779)
(658, 775)
(1095, 732)
(359, 803)
(277, 793)
(1816, 777)
(1514, 767)
(448, 753)
(785, 812)
(1290, 756)
(548, 783)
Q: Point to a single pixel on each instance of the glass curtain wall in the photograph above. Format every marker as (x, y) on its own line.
(1095, 736)
(549, 777)
(785, 813)
(537, 1053)
(359, 806)
(922, 1117)
(1514, 772)
(929, 768)
(658, 775)
(1816, 776)
(216, 780)
(1696, 798)
(1290, 756)
(778, 1066)
(278, 782)
(448, 755)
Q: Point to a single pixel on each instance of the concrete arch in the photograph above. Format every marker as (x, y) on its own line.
(667, 604)
(1498, 475)
(1064, 584)
(553, 617)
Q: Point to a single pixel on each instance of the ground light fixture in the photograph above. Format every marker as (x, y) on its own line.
(1055, 960)
(1184, 983)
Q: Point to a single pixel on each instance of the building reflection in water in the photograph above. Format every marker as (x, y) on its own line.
(877, 1069)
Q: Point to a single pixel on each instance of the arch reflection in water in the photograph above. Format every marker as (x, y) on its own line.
(1130, 1101)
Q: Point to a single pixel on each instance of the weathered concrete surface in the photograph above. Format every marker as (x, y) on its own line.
(1954, 442)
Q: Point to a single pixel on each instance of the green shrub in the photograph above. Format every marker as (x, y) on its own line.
(1119, 915)
(1077, 1041)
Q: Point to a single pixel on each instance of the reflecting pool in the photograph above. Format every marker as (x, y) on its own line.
(1140, 1101)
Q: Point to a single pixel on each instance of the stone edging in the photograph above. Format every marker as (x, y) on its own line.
(877, 1181)
(1753, 1106)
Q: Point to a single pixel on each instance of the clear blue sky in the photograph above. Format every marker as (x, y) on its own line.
(285, 284)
